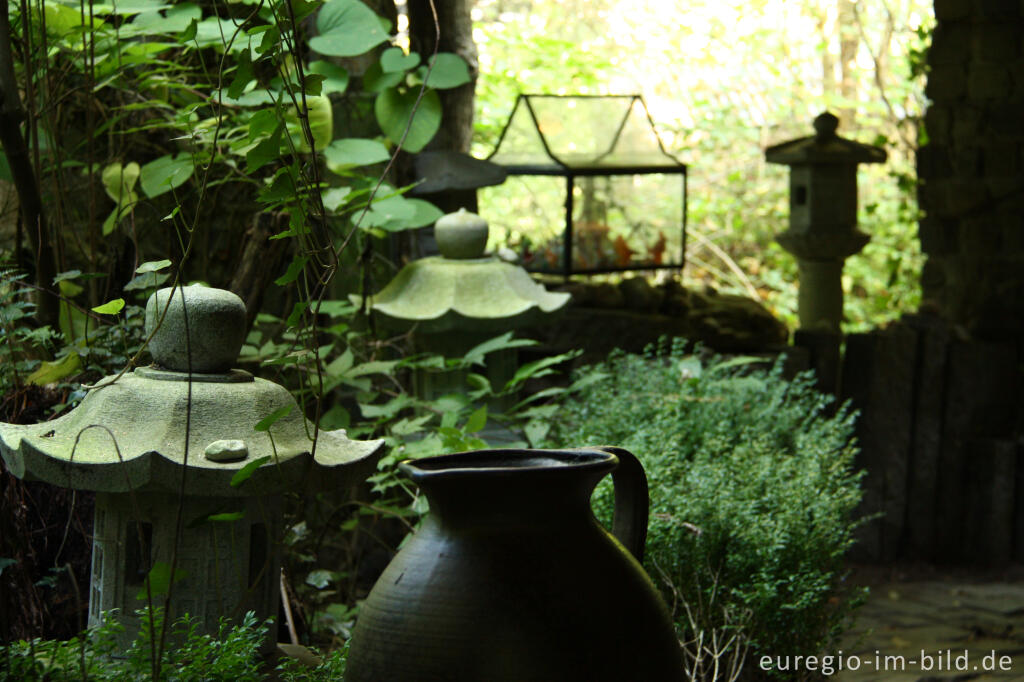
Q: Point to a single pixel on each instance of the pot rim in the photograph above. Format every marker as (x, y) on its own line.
(511, 462)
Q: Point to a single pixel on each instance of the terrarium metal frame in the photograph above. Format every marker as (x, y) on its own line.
(596, 168)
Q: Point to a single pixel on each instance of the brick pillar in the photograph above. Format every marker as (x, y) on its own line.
(973, 168)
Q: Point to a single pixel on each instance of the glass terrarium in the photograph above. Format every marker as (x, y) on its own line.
(590, 187)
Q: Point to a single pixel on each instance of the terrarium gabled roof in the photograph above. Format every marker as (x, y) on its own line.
(555, 133)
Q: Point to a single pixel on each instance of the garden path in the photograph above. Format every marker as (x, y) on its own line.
(916, 620)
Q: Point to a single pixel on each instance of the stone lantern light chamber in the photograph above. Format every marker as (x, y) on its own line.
(603, 194)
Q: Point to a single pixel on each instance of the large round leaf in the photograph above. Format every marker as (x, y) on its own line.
(450, 71)
(394, 59)
(347, 153)
(395, 109)
(321, 123)
(336, 77)
(166, 173)
(347, 28)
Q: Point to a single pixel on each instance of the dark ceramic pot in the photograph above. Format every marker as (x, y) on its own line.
(510, 578)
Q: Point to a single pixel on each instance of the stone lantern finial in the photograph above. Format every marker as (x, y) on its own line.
(216, 328)
(461, 235)
(825, 126)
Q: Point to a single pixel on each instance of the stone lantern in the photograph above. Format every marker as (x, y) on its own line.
(160, 446)
(822, 230)
(460, 299)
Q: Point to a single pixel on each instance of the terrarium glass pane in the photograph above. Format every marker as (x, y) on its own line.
(619, 221)
(580, 132)
(526, 214)
(626, 221)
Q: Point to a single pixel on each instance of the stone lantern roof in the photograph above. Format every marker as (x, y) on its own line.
(824, 147)
(462, 289)
(129, 432)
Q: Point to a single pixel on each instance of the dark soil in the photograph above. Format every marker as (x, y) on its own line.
(47, 532)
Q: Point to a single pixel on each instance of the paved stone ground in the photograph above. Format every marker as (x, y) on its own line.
(920, 625)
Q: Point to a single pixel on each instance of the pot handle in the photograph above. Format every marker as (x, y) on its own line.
(632, 501)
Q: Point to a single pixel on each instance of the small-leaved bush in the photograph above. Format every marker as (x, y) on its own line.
(752, 492)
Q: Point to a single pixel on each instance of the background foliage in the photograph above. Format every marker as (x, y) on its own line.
(724, 80)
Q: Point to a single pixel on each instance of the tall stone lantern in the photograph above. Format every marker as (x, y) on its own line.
(822, 230)
(161, 446)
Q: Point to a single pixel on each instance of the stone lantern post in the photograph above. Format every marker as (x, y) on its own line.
(460, 299)
(822, 216)
(161, 445)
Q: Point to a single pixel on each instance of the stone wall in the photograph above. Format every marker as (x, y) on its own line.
(973, 168)
(939, 436)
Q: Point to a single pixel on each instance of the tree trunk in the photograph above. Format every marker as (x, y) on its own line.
(849, 42)
(30, 203)
(260, 261)
(456, 35)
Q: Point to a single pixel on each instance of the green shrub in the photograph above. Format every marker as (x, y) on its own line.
(752, 492)
(233, 655)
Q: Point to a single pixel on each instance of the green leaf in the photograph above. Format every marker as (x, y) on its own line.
(321, 123)
(390, 212)
(424, 213)
(5, 168)
(293, 272)
(477, 420)
(536, 431)
(190, 32)
(153, 266)
(537, 368)
(303, 8)
(271, 39)
(166, 173)
(269, 149)
(476, 354)
(450, 71)
(5, 562)
(118, 181)
(348, 28)
(394, 59)
(319, 578)
(246, 472)
(110, 307)
(295, 317)
(159, 579)
(149, 280)
(337, 417)
(52, 372)
(268, 421)
(335, 77)
(335, 197)
(314, 84)
(67, 276)
(262, 122)
(341, 364)
(226, 516)
(375, 80)
(388, 409)
(350, 152)
(244, 74)
(395, 109)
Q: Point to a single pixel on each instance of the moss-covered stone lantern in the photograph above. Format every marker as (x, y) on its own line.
(162, 447)
(822, 230)
(460, 299)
